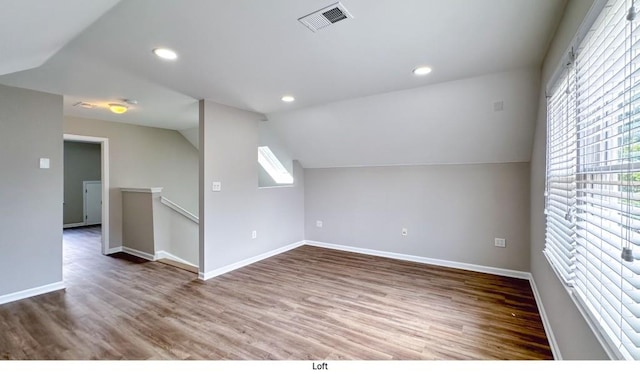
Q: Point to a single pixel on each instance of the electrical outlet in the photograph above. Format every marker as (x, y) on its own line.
(500, 242)
(405, 232)
(216, 186)
(319, 224)
(254, 234)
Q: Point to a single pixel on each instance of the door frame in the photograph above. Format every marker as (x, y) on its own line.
(104, 161)
(84, 198)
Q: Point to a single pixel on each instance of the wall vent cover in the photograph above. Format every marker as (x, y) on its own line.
(326, 16)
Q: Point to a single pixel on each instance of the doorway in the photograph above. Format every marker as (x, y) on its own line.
(94, 194)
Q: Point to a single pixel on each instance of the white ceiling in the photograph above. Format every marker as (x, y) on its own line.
(31, 31)
(248, 53)
(445, 123)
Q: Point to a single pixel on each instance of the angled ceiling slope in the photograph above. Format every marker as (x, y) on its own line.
(352, 81)
(31, 31)
(248, 53)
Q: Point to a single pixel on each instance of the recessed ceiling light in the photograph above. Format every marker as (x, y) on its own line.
(118, 108)
(288, 99)
(422, 70)
(165, 53)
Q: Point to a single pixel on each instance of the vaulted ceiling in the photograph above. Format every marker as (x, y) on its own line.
(32, 31)
(249, 53)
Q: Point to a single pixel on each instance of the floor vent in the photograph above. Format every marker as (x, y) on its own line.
(325, 17)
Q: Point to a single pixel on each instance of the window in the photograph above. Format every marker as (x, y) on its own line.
(593, 178)
(273, 166)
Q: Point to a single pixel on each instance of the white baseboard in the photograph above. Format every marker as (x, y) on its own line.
(166, 255)
(248, 261)
(424, 260)
(31, 292)
(72, 225)
(113, 250)
(137, 253)
(555, 349)
(149, 257)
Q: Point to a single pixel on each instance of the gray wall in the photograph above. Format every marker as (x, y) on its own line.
(574, 337)
(228, 146)
(31, 198)
(137, 221)
(175, 234)
(81, 163)
(141, 157)
(192, 135)
(452, 212)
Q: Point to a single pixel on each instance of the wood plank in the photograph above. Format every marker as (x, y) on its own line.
(306, 304)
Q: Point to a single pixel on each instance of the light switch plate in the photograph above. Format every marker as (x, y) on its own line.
(44, 163)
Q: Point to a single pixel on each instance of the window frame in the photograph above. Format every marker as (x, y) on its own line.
(591, 316)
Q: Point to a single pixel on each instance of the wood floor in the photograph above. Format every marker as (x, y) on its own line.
(306, 304)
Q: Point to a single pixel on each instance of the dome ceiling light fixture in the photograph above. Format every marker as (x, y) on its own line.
(118, 108)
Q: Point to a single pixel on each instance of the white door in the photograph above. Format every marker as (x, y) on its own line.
(92, 202)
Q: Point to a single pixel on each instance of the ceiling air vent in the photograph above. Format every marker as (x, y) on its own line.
(325, 17)
(84, 105)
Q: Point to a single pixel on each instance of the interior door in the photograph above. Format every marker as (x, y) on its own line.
(92, 202)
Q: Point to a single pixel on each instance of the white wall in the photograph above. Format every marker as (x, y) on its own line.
(573, 335)
(30, 197)
(228, 146)
(452, 212)
(143, 157)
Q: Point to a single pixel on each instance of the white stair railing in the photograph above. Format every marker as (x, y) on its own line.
(168, 235)
(179, 209)
(177, 238)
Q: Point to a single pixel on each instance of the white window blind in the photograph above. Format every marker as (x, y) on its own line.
(593, 177)
(561, 178)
